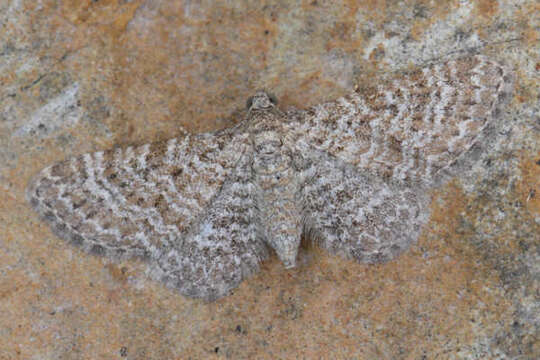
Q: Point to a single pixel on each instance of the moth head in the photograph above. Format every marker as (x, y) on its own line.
(261, 101)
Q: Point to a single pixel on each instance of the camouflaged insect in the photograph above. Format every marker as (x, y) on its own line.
(351, 175)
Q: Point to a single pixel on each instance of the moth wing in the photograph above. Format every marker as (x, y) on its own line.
(411, 126)
(357, 215)
(148, 201)
(223, 248)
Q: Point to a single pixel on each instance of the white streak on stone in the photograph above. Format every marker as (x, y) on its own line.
(60, 112)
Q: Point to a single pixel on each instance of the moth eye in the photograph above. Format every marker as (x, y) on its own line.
(249, 102)
(272, 98)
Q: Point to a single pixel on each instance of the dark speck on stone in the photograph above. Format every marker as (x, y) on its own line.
(123, 351)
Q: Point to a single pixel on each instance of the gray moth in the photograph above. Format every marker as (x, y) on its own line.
(352, 176)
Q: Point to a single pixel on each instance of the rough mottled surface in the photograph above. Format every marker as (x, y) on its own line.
(81, 77)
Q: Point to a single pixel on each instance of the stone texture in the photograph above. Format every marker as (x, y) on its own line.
(79, 76)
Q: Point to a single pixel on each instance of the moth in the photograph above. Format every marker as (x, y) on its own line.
(351, 175)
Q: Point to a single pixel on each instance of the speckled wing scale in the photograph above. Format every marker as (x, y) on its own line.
(204, 210)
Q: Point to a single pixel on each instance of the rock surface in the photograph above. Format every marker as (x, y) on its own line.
(87, 75)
